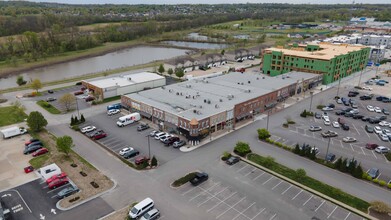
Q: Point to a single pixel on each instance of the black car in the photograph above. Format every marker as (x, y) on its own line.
(330, 157)
(365, 97)
(347, 109)
(50, 91)
(67, 192)
(349, 114)
(331, 105)
(199, 178)
(131, 154)
(381, 118)
(318, 115)
(142, 127)
(34, 143)
(31, 149)
(386, 100)
(374, 120)
(369, 128)
(353, 93)
(365, 118)
(340, 112)
(170, 141)
(232, 160)
(380, 98)
(345, 127)
(358, 116)
(385, 111)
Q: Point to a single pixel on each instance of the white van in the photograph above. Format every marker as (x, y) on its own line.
(140, 208)
(128, 119)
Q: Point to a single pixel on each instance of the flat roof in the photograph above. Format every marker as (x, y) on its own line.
(124, 79)
(328, 51)
(182, 99)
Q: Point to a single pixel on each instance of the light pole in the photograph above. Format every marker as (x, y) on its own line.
(312, 93)
(77, 107)
(149, 148)
(327, 151)
(339, 84)
(359, 79)
(267, 123)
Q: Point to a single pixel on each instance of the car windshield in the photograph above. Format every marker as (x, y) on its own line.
(147, 216)
(134, 210)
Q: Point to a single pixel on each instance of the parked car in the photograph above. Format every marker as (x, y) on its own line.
(370, 108)
(381, 118)
(40, 152)
(199, 178)
(141, 159)
(354, 111)
(125, 150)
(354, 105)
(78, 93)
(142, 127)
(345, 127)
(329, 134)
(151, 215)
(377, 130)
(353, 93)
(50, 91)
(365, 118)
(315, 128)
(99, 135)
(318, 115)
(67, 192)
(349, 139)
(89, 99)
(358, 116)
(383, 137)
(232, 160)
(386, 132)
(165, 137)
(386, 100)
(327, 122)
(335, 124)
(330, 157)
(377, 110)
(58, 182)
(153, 133)
(340, 112)
(339, 101)
(384, 123)
(50, 99)
(159, 135)
(113, 111)
(92, 133)
(30, 149)
(330, 105)
(34, 143)
(369, 129)
(367, 88)
(371, 146)
(57, 176)
(373, 172)
(341, 121)
(169, 141)
(31, 141)
(88, 129)
(382, 150)
(385, 111)
(373, 120)
(179, 144)
(327, 108)
(131, 154)
(365, 97)
(349, 114)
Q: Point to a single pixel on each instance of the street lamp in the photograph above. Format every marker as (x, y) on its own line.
(77, 107)
(149, 148)
(312, 93)
(339, 84)
(327, 151)
(359, 79)
(267, 123)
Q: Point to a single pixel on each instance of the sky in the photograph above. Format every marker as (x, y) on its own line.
(213, 1)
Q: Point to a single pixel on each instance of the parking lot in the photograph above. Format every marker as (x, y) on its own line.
(226, 202)
(120, 137)
(299, 133)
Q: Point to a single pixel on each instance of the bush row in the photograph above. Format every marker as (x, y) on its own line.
(183, 180)
(278, 144)
(306, 113)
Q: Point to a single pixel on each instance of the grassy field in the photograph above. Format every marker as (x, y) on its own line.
(10, 115)
(48, 107)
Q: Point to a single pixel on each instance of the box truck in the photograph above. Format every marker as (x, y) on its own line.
(11, 132)
(128, 119)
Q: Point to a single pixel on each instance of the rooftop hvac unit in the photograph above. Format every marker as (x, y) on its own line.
(208, 101)
(249, 82)
(257, 78)
(130, 78)
(177, 93)
(204, 100)
(221, 100)
(195, 111)
(200, 106)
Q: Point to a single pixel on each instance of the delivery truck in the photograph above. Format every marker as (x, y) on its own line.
(128, 119)
(12, 132)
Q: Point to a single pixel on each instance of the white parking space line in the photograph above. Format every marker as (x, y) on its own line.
(378, 176)
(347, 216)
(320, 205)
(356, 129)
(331, 139)
(250, 172)
(241, 213)
(374, 154)
(200, 204)
(258, 176)
(229, 208)
(294, 131)
(278, 139)
(221, 202)
(273, 216)
(351, 147)
(258, 213)
(308, 200)
(201, 193)
(341, 144)
(367, 133)
(297, 194)
(332, 212)
(268, 180)
(277, 185)
(242, 168)
(362, 150)
(188, 191)
(63, 187)
(286, 190)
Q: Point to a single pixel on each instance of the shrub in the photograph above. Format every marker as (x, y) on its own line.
(375, 180)
(358, 172)
(320, 107)
(304, 113)
(76, 127)
(183, 180)
(389, 185)
(338, 164)
(242, 148)
(380, 207)
(382, 182)
(364, 176)
(263, 134)
(369, 178)
(153, 162)
(285, 125)
(269, 162)
(343, 167)
(299, 174)
(82, 119)
(388, 156)
(297, 149)
(226, 155)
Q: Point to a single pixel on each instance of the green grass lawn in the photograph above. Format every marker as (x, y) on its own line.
(10, 115)
(38, 162)
(48, 107)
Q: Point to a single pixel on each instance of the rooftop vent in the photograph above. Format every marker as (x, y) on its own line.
(257, 78)
(194, 111)
(216, 106)
(263, 77)
(249, 82)
(221, 100)
(242, 83)
(129, 78)
(200, 106)
(208, 101)
(177, 93)
(238, 83)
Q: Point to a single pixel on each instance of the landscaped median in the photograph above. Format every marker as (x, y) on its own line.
(300, 179)
(48, 107)
(183, 180)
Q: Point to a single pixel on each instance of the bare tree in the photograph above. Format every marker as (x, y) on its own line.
(67, 100)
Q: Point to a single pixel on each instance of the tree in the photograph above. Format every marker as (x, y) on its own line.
(343, 167)
(82, 119)
(36, 121)
(36, 84)
(170, 71)
(358, 172)
(297, 149)
(72, 121)
(153, 162)
(242, 148)
(222, 52)
(64, 144)
(299, 174)
(20, 81)
(161, 68)
(67, 100)
(380, 207)
(338, 164)
(263, 134)
(76, 120)
(179, 73)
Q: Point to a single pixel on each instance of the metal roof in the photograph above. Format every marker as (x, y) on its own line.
(201, 98)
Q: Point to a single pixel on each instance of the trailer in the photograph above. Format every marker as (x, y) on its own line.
(128, 119)
(12, 132)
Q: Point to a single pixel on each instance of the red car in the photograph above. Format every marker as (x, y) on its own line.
(139, 160)
(28, 169)
(99, 135)
(371, 146)
(78, 92)
(57, 176)
(40, 152)
(58, 182)
(31, 141)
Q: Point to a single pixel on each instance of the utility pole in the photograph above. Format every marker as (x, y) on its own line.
(359, 79)
(312, 94)
(77, 107)
(149, 148)
(267, 123)
(328, 146)
(339, 84)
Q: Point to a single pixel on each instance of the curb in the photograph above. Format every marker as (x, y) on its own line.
(86, 200)
(354, 210)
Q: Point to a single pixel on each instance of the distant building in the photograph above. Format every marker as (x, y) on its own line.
(331, 60)
(197, 108)
(125, 83)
